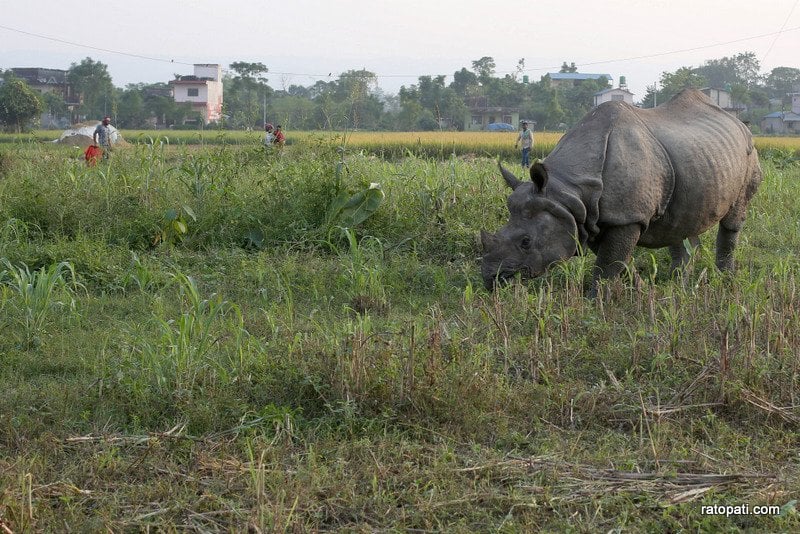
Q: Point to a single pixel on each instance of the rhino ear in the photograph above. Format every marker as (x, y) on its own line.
(539, 175)
(488, 241)
(510, 179)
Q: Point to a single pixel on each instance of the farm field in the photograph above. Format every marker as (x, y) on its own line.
(385, 144)
(216, 338)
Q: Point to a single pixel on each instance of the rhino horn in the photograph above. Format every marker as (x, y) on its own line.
(539, 175)
(510, 179)
(488, 241)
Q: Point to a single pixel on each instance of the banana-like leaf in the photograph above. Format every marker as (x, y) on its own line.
(352, 211)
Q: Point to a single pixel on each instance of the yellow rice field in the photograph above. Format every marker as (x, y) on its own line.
(478, 140)
(439, 143)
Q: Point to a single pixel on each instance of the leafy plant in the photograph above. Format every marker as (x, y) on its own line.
(174, 225)
(349, 211)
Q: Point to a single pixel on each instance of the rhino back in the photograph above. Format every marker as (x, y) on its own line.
(676, 170)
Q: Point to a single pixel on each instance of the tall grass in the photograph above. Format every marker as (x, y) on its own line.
(37, 293)
(272, 369)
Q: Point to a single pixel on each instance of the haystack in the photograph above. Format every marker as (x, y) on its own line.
(81, 135)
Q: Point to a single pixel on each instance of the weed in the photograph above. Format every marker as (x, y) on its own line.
(38, 293)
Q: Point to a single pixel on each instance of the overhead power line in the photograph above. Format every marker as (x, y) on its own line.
(532, 69)
(680, 51)
(778, 34)
(81, 45)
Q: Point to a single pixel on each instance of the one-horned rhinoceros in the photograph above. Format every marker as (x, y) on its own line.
(623, 177)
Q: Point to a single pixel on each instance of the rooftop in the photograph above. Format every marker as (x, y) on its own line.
(785, 116)
(41, 76)
(604, 91)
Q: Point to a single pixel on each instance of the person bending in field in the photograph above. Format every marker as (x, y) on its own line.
(102, 136)
(269, 137)
(280, 139)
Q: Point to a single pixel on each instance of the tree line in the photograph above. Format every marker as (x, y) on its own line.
(355, 100)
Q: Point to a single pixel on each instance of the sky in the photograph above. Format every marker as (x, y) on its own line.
(303, 41)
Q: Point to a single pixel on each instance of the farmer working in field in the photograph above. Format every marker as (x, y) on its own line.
(102, 136)
(526, 138)
(279, 139)
(269, 137)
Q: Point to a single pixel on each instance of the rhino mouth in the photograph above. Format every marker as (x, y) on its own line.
(506, 276)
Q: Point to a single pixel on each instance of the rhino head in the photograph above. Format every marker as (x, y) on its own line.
(540, 232)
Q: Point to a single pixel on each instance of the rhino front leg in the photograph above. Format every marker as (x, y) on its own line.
(613, 253)
(680, 254)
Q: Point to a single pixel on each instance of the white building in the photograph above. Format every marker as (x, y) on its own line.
(203, 90)
(616, 94)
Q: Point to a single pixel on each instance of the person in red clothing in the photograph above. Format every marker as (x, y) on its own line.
(279, 139)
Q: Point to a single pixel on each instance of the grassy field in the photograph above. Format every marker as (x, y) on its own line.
(388, 145)
(190, 341)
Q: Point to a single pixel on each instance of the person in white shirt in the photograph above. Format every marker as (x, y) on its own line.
(526, 139)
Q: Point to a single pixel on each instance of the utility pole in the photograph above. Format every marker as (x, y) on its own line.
(655, 94)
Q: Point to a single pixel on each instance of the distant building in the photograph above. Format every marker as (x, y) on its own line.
(783, 122)
(480, 114)
(52, 81)
(203, 90)
(724, 99)
(614, 94)
(563, 80)
(720, 97)
(48, 81)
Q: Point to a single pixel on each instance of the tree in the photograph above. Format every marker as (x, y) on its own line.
(431, 105)
(130, 109)
(484, 68)
(741, 69)
(568, 68)
(249, 71)
(747, 68)
(295, 111)
(92, 82)
(357, 89)
(54, 105)
(246, 93)
(506, 91)
(19, 104)
(519, 73)
(578, 100)
(671, 84)
(781, 81)
(465, 83)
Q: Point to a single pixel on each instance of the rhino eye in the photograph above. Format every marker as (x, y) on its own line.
(525, 243)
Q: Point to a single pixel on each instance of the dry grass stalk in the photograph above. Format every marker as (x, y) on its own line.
(580, 480)
(175, 432)
(763, 404)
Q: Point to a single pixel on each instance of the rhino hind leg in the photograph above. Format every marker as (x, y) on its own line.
(613, 253)
(733, 221)
(726, 243)
(728, 234)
